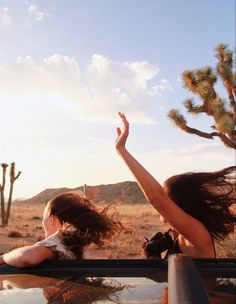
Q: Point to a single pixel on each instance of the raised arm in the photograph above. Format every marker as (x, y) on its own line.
(149, 185)
(90, 193)
(182, 222)
(152, 190)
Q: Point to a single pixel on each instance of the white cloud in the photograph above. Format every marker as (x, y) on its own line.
(143, 71)
(158, 89)
(203, 150)
(130, 77)
(96, 94)
(204, 157)
(37, 14)
(5, 17)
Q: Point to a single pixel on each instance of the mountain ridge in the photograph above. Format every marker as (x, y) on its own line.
(125, 192)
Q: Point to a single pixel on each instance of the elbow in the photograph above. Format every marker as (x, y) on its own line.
(28, 256)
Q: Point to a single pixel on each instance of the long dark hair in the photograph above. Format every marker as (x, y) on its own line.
(207, 196)
(85, 290)
(82, 223)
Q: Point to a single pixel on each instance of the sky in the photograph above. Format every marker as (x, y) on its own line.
(68, 67)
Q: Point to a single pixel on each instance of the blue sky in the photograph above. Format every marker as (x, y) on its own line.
(68, 67)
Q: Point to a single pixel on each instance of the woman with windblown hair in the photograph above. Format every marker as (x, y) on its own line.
(196, 205)
(71, 223)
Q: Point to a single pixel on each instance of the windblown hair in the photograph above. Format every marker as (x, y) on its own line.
(85, 290)
(207, 196)
(82, 223)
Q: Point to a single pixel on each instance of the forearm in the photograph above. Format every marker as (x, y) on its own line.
(28, 256)
(152, 190)
(16, 258)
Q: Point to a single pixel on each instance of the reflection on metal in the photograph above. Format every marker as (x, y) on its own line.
(87, 290)
(184, 281)
(116, 281)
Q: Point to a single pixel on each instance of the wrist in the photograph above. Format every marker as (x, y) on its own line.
(120, 150)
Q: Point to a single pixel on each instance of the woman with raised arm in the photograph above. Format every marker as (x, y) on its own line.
(196, 205)
(71, 223)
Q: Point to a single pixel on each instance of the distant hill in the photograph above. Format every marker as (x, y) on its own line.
(125, 192)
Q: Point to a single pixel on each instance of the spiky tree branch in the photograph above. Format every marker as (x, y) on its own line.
(228, 142)
(201, 82)
(224, 69)
(179, 120)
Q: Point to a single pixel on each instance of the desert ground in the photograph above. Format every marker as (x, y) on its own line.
(140, 220)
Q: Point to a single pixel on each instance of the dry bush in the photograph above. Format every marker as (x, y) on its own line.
(227, 248)
(36, 218)
(14, 234)
(38, 228)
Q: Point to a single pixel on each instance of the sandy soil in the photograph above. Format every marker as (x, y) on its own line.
(142, 220)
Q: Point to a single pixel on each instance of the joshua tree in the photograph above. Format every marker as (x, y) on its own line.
(5, 214)
(2, 189)
(201, 82)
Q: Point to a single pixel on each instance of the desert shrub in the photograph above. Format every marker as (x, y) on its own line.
(226, 249)
(14, 234)
(36, 218)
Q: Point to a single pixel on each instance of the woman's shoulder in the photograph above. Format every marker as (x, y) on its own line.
(55, 244)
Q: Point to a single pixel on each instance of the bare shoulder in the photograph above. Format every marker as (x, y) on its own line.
(194, 239)
(202, 247)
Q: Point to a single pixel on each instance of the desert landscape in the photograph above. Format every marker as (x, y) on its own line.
(140, 220)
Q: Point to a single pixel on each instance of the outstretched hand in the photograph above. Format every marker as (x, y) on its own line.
(90, 193)
(122, 135)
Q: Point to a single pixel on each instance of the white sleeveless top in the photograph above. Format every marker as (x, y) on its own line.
(55, 244)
